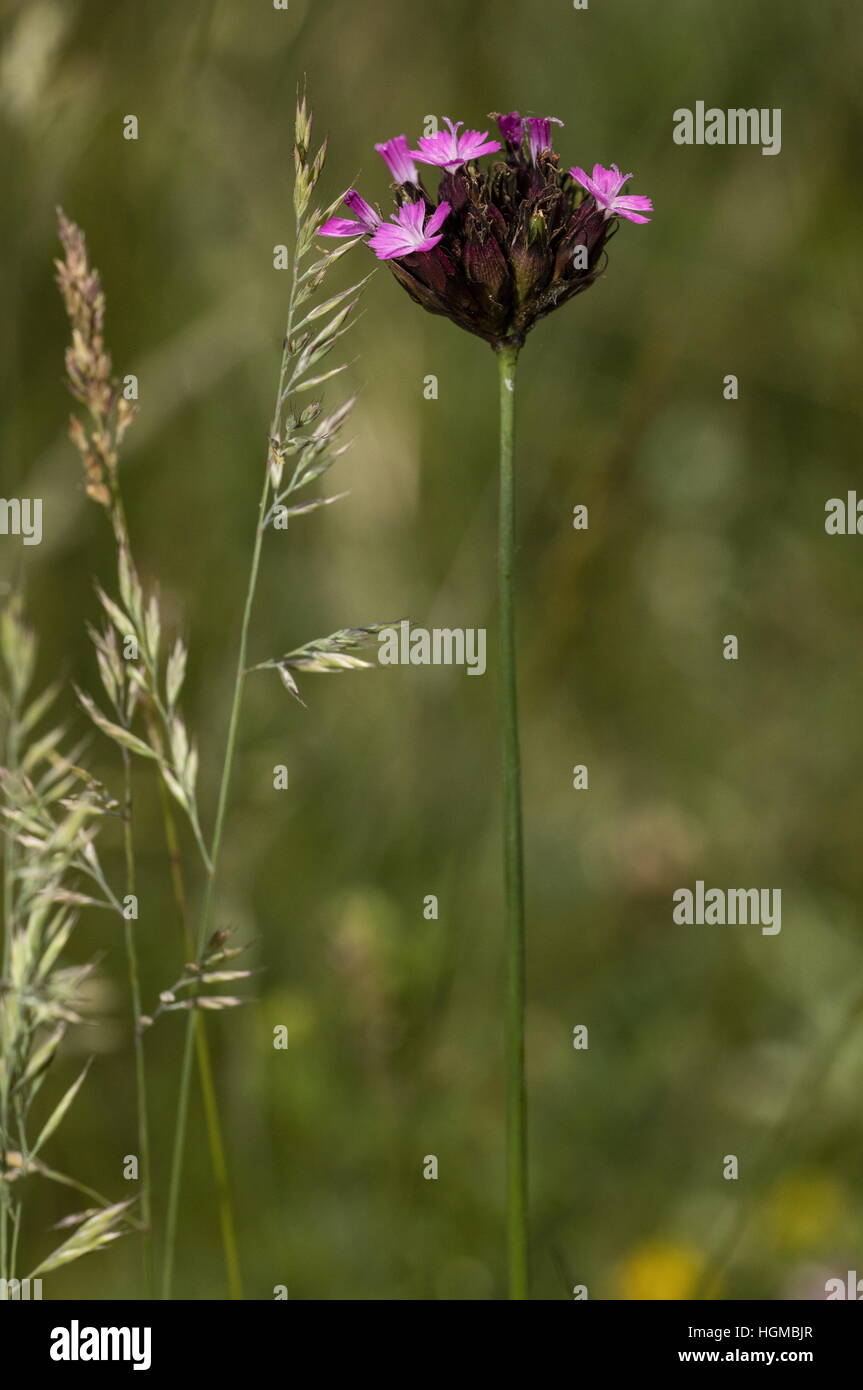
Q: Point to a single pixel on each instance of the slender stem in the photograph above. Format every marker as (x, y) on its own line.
(218, 1158)
(11, 752)
(124, 546)
(513, 856)
(234, 720)
(4, 1188)
(135, 991)
(218, 829)
(11, 758)
(206, 911)
(16, 1231)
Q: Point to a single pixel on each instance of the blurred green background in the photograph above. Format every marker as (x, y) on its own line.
(706, 518)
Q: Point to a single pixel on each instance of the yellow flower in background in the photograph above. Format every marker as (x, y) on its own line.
(802, 1210)
(659, 1269)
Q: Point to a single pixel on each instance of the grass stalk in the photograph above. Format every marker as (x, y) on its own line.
(11, 750)
(513, 854)
(209, 893)
(140, 1067)
(219, 825)
(310, 441)
(218, 1159)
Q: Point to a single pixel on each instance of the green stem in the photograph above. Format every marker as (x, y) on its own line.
(513, 856)
(11, 760)
(218, 1158)
(16, 1231)
(218, 829)
(206, 911)
(135, 991)
(6, 1205)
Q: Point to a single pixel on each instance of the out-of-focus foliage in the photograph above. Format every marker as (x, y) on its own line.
(706, 518)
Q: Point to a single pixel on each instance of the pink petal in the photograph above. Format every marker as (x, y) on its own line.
(476, 151)
(620, 211)
(389, 241)
(364, 211)
(342, 226)
(587, 182)
(435, 149)
(634, 201)
(410, 216)
(437, 219)
(398, 159)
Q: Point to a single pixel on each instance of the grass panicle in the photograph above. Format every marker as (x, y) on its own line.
(142, 678)
(53, 811)
(142, 674)
(312, 441)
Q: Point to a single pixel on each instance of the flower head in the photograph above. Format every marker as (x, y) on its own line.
(398, 159)
(408, 231)
(495, 249)
(365, 218)
(450, 150)
(604, 186)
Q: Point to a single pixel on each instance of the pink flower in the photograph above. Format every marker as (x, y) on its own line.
(539, 134)
(398, 159)
(450, 150)
(367, 218)
(604, 186)
(405, 233)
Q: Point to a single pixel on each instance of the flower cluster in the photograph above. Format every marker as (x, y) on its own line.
(499, 247)
(88, 368)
